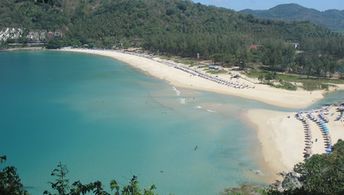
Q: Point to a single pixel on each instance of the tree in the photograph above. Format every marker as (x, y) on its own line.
(324, 173)
(10, 182)
(114, 186)
(242, 58)
(61, 185)
(279, 56)
(321, 174)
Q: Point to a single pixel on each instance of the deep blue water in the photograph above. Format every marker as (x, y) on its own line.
(105, 121)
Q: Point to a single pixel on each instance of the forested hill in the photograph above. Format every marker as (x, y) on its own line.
(332, 19)
(178, 27)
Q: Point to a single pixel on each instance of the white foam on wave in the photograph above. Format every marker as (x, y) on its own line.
(182, 100)
(199, 107)
(210, 110)
(177, 91)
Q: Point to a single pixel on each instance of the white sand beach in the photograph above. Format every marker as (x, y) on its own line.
(164, 71)
(282, 137)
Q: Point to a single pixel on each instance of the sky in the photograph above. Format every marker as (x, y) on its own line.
(266, 4)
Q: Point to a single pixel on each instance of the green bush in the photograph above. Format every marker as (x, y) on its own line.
(10, 182)
(287, 86)
(321, 174)
(311, 85)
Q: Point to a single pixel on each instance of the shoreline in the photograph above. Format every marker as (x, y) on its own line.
(282, 137)
(280, 141)
(157, 68)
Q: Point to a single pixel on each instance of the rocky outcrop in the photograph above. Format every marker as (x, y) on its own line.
(10, 33)
(30, 36)
(291, 181)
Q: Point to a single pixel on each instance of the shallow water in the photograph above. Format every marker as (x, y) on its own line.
(336, 97)
(106, 120)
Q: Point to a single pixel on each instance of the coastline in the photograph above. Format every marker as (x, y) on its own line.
(282, 138)
(280, 134)
(154, 67)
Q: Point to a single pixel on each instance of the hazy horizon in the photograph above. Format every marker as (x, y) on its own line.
(267, 4)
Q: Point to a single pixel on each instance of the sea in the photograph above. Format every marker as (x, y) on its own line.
(105, 120)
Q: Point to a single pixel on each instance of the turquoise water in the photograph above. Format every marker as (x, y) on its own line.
(335, 97)
(105, 121)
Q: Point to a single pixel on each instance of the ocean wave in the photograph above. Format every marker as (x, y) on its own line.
(182, 100)
(178, 93)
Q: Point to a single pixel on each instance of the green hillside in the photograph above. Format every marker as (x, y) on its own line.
(332, 19)
(180, 27)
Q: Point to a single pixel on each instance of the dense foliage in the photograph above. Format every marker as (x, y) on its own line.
(10, 182)
(183, 28)
(321, 174)
(61, 185)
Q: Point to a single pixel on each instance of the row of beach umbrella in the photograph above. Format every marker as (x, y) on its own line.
(308, 135)
(214, 79)
(324, 129)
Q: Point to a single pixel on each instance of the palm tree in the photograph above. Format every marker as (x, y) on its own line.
(114, 185)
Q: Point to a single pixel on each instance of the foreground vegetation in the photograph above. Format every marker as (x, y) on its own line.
(10, 184)
(320, 174)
